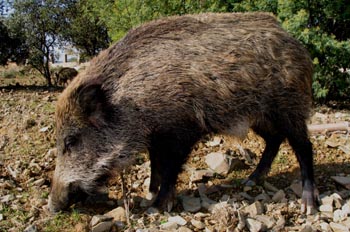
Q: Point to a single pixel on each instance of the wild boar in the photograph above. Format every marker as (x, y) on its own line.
(168, 83)
(65, 75)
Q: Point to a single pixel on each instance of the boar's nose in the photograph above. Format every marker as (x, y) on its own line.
(59, 196)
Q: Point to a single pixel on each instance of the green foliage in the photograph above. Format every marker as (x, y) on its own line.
(12, 45)
(323, 26)
(40, 22)
(85, 31)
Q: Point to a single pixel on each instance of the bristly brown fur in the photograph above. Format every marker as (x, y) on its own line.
(171, 81)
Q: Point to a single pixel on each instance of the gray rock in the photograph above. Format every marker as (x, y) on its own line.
(197, 175)
(343, 180)
(118, 214)
(103, 226)
(270, 187)
(327, 200)
(7, 198)
(268, 221)
(184, 229)
(191, 204)
(39, 182)
(325, 227)
(178, 220)
(279, 196)
(307, 228)
(241, 221)
(339, 215)
(336, 227)
(326, 208)
(152, 210)
(254, 209)
(169, 226)
(279, 224)
(198, 224)
(263, 197)
(346, 208)
(254, 225)
(216, 141)
(31, 228)
(100, 218)
(218, 162)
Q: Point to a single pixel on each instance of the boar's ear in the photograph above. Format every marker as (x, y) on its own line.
(94, 104)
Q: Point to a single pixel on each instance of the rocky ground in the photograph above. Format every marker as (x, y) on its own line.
(207, 200)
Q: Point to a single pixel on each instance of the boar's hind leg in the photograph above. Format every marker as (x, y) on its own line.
(299, 141)
(167, 154)
(273, 142)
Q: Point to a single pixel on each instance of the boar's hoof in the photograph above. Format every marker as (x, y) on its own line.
(309, 198)
(165, 203)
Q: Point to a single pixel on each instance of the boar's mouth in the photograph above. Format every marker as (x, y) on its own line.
(76, 194)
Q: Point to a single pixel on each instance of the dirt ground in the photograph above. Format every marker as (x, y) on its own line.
(27, 161)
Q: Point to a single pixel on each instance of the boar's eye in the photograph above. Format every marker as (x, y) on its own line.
(70, 141)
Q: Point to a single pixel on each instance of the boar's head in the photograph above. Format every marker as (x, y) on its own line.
(89, 144)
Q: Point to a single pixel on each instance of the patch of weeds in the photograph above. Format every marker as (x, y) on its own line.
(10, 74)
(62, 222)
(45, 195)
(281, 159)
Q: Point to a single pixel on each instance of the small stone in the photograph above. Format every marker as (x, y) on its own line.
(247, 188)
(326, 208)
(39, 182)
(346, 223)
(218, 162)
(339, 215)
(254, 209)
(246, 196)
(268, 221)
(118, 214)
(7, 198)
(254, 225)
(327, 200)
(306, 228)
(191, 204)
(104, 226)
(152, 210)
(337, 200)
(336, 227)
(263, 197)
(197, 175)
(346, 208)
(169, 226)
(99, 218)
(1, 217)
(270, 187)
(31, 228)
(241, 221)
(325, 227)
(216, 141)
(280, 224)
(178, 220)
(184, 229)
(343, 180)
(44, 129)
(279, 196)
(198, 224)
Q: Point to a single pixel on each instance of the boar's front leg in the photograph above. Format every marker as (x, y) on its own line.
(168, 152)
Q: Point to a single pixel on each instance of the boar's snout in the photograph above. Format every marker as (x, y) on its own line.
(63, 195)
(59, 197)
